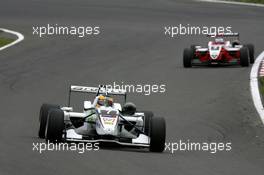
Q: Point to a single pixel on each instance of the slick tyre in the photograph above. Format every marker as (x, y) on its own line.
(157, 134)
(148, 115)
(55, 125)
(244, 61)
(43, 115)
(251, 53)
(187, 57)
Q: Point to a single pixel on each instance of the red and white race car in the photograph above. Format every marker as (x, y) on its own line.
(224, 49)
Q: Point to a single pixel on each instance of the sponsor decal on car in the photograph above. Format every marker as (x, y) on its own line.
(108, 121)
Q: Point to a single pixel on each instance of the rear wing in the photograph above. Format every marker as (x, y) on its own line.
(223, 35)
(102, 89)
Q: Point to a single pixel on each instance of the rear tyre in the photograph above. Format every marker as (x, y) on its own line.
(55, 125)
(251, 52)
(187, 57)
(148, 115)
(43, 115)
(157, 134)
(244, 61)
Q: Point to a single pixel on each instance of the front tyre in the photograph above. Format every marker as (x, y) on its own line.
(148, 115)
(187, 57)
(157, 134)
(244, 61)
(43, 115)
(55, 125)
(251, 52)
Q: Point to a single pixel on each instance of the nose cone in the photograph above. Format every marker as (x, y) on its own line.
(214, 56)
(108, 121)
(215, 51)
(109, 131)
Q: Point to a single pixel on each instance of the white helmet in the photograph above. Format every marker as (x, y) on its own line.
(219, 40)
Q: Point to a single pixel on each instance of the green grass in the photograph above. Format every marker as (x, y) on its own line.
(261, 83)
(5, 41)
(252, 1)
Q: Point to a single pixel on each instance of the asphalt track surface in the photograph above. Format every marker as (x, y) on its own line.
(200, 104)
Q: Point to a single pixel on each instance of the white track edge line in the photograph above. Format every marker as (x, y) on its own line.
(254, 86)
(233, 2)
(20, 37)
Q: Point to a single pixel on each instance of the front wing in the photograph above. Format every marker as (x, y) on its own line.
(141, 141)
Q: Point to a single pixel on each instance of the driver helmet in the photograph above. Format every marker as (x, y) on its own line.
(105, 101)
(109, 101)
(219, 40)
(101, 100)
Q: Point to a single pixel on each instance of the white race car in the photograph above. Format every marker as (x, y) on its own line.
(102, 121)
